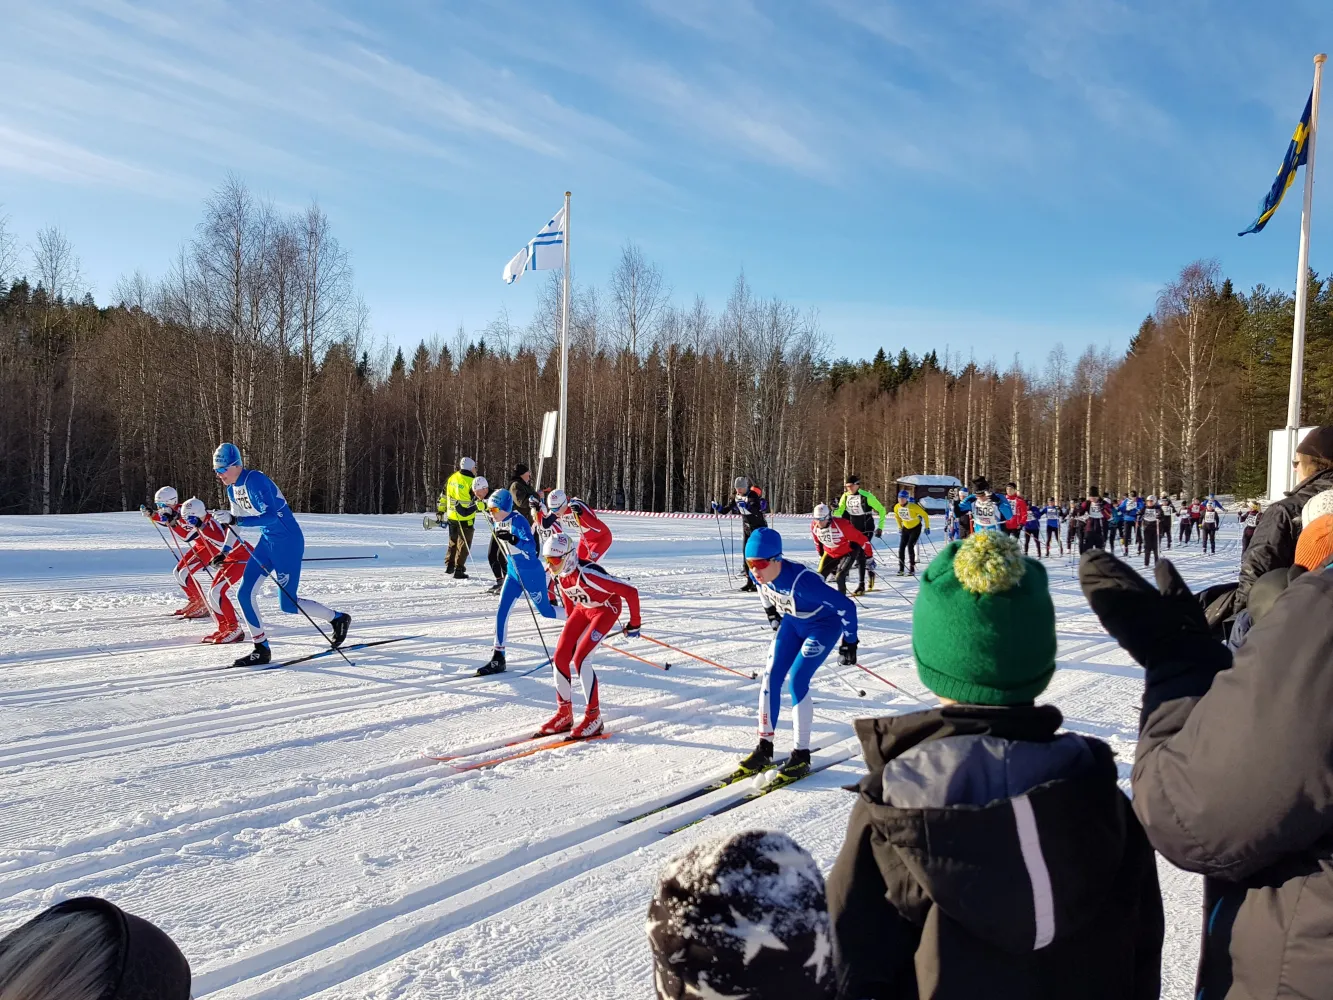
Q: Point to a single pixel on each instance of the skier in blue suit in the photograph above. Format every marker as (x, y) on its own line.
(989, 510)
(526, 572)
(808, 616)
(256, 502)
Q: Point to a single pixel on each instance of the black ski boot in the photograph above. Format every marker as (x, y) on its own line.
(459, 574)
(749, 587)
(257, 657)
(795, 766)
(495, 665)
(495, 587)
(759, 760)
(342, 621)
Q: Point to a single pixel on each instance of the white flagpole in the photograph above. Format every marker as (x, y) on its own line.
(1302, 283)
(564, 343)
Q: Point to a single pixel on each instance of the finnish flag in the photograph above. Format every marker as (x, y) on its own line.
(544, 252)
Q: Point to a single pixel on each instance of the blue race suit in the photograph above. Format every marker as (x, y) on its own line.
(988, 513)
(525, 572)
(814, 615)
(256, 502)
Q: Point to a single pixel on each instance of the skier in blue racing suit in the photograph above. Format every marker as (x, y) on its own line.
(256, 502)
(526, 572)
(989, 510)
(808, 616)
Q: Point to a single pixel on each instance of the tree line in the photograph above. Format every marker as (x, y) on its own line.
(256, 334)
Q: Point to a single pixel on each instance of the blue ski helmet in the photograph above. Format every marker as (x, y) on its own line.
(501, 500)
(226, 456)
(904, 495)
(764, 543)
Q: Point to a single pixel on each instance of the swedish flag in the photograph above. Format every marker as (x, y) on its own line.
(1296, 156)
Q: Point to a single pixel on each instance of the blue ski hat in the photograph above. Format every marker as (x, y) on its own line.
(226, 456)
(502, 500)
(764, 543)
(904, 495)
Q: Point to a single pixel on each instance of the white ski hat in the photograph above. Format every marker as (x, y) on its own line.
(1317, 506)
(166, 497)
(480, 484)
(467, 465)
(822, 512)
(556, 500)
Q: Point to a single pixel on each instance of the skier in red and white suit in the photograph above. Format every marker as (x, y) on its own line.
(575, 518)
(211, 544)
(166, 512)
(593, 602)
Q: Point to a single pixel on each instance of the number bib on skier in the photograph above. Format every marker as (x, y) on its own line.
(569, 524)
(855, 506)
(830, 537)
(984, 514)
(241, 504)
(1251, 520)
(1150, 516)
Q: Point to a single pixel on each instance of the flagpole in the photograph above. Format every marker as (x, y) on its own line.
(564, 345)
(1302, 282)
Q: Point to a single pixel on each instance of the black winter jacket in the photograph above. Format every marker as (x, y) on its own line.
(522, 492)
(1274, 543)
(988, 856)
(1234, 779)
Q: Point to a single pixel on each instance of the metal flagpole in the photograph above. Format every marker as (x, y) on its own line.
(1302, 283)
(564, 355)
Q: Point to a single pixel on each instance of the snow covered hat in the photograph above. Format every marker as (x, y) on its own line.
(1316, 507)
(742, 917)
(983, 626)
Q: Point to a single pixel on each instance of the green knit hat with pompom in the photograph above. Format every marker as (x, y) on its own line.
(983, 626)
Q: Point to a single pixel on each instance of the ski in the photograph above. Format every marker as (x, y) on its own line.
(322, 652)
(567, 741)
(500, 743)
(697, 793)
(773, 784)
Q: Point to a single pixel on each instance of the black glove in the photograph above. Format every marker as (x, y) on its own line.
(847, 653)
(1164, 630)
(502, 532)
(879, 532)
(217, 559)
(774, 616)
(632, 631)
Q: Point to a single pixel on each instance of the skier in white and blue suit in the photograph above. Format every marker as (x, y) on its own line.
(256, 502)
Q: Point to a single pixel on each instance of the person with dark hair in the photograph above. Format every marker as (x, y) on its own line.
(860, 506)
(1166, 510)
(525, 496)
(1149, 521)
(1095, 512)
(742, 917)
(1018, 510)
(89, 949)
(989, 854)
(986, 510)
(1074, 530)
(1208, 525)
(750, 504)
(1128, 509)
(1189, 517)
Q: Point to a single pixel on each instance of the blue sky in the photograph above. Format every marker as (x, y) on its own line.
(994, 175)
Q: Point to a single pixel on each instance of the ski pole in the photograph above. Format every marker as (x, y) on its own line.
(632, 656)
(890, 684)
(291, 597)
(723, 544)
(532, 608)
(859, 692)
(336, 558)
(696, 656)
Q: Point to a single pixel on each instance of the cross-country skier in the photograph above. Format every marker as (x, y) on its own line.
(1249, 518)
(1051, 515)
(808, 616)
(1096, 512)
(912, 521)
(1128, 511)
(461, 511)
(1150, 522)
(860, 507)
(166, 512)
(1032, 529)
(953, 525)
(1208, 523)
(1167, 511)
(988, 511)
(225, 558)
(750, 504)
(526, 573)
(840, 546)
(593, 600)
(256, 502)
(1018, 508)
(1074, 526)
(1189, 517)
(573, 517)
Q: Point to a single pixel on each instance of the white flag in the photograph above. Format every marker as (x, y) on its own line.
(544, 252)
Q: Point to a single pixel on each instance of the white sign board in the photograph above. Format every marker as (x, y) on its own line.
(1280, 455)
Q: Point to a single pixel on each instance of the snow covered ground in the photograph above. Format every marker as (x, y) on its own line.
(284, 828)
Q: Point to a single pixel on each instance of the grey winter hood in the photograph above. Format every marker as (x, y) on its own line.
(1011, 830)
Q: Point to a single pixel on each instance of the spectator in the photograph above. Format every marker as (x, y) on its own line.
(989, 855)
(89, 949)
(1232, 775)
(524, 494)
(742, 917)
(1274, 543)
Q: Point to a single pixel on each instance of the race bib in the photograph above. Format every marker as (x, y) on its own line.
(577, 595)
(242, 506)
(569, 524)
(1251, 520)
(984, 514)
(830, 537)
(1150, 515)
(1095, 509)
(783, 602)
(855, 505)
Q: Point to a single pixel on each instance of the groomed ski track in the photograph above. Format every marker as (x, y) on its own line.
(284, 827)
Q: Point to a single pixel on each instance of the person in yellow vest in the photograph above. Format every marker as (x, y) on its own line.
(461, 511)
(911, 518)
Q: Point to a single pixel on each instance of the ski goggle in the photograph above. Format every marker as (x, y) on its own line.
(163, 505)
(759, 563)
